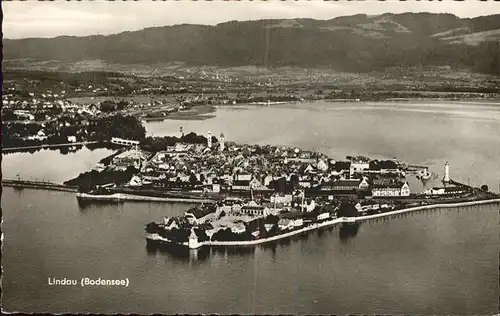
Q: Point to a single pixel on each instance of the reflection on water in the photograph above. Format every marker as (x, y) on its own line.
(183, 253)
(320, 232)
(234, 251)
(87, 204)
(271, 247)
(348, 231)
(177, 252)
(174, 251)
(18, 190)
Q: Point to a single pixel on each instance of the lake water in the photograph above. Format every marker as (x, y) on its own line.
(51, 165)
(439, 262)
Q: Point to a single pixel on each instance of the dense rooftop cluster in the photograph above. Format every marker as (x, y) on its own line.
(220, 166)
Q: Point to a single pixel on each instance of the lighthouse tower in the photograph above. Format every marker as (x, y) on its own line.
(193, 240)
(182, 132)
(446, 178)
(209, 140)
(221, 141)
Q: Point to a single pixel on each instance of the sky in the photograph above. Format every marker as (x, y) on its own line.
(23, 19)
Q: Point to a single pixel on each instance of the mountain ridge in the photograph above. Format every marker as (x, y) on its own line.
(357, 43)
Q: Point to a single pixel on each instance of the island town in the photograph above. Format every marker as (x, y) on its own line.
(250, 194)
(246, 194)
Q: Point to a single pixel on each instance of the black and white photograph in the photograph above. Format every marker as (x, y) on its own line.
(250, 157)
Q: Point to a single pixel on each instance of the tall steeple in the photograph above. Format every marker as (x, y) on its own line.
(221, 142)
(209, 140)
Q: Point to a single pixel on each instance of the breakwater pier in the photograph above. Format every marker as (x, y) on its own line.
(128, 195)
(36, 184)
(122, 197)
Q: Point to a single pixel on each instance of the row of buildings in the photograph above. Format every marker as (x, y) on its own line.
(261, 170)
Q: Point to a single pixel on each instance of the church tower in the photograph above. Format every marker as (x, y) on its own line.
(221, 142)
(209, 140)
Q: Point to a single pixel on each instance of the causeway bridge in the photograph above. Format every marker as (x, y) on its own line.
(37, 184)
(114, 140)
(48, 146)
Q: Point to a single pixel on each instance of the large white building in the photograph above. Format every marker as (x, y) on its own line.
(253, 208)
(345, 185)
(391, 189)
(126, 142)
(359, 167)
(449, 190)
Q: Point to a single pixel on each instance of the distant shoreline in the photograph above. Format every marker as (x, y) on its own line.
(437, 100)
(196, 113)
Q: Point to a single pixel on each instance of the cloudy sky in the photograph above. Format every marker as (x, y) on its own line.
(50, 19)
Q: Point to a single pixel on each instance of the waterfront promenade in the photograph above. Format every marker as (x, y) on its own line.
(195, 245)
